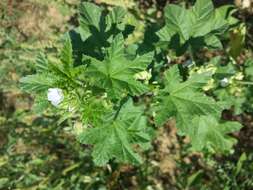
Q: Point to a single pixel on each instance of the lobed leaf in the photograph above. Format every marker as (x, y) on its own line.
(90, 16)
(178, 20)
(115, 137)
(116, 72)
(37, 83)
(184, 100)
(206, 132)
(195, 28)
(67, 53)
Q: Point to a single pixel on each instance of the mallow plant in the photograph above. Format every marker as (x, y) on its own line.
(107, 87)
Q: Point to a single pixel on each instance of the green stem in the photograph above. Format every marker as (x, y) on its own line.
(245, 82)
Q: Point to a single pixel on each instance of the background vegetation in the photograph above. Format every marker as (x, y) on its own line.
(39, 153)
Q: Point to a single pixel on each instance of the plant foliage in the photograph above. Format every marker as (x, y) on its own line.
(102, 87)
(195, 28)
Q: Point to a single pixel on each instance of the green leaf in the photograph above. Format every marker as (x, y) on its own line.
(115, 137)
(249, 69)
(116, 73)
(115, 16)
(116, 51)
(99, 25)
(240, 163)
(65, 69)
(237, 102)
(203, 12)
(206, 132)
(208, 20)
(165, 34)
(178, 20)
(109, 142)
(4, 182)
(41, 63)
(66, 54)
(213, 42)
(37, 83)
(96, 30)
(184, 100)
(124, 3)
(134, 120)
(90, 15)
(227, 11)
(52, 73)
(93, 110)
(219, 23)
(223, 71)
(193, 29)
(40, 104)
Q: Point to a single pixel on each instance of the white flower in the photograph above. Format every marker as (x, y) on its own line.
(224, 82)
(55, 96)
